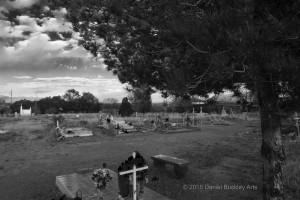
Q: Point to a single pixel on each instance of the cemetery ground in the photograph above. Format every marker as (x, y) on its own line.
(226, 156)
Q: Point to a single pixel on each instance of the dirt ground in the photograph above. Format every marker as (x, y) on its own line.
(219, 155)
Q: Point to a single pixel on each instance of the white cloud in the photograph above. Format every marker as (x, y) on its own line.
(52, 86)
(23, 77)
(57, 25)
(46, 9)
(60, 13)
(7, 30)
(75, 52)
(39, 56)
(28, 24)
(19, 4)
(37, 50)
(2, 11)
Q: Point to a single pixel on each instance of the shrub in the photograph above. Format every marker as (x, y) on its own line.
(58, 118)
(51, 111)
(125, 108)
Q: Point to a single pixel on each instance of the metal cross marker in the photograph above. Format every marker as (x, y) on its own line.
(133, 171)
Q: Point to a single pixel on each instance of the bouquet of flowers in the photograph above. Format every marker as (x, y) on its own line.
(101, 177)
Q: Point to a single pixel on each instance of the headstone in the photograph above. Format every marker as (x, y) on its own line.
(77, 116)
(100, 117)
(147, 123)
(173, 124)
(223, 112)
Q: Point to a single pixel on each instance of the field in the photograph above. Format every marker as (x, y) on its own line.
(224, 154)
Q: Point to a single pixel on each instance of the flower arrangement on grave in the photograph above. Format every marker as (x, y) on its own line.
(101, 177)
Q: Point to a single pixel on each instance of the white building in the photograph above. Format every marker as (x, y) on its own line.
(25, 112)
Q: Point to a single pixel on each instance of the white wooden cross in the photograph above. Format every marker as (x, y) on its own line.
(133, 171)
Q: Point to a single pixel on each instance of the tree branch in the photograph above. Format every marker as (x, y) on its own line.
(200, 51)
(193, 5)
(238, 71)
(200, 77)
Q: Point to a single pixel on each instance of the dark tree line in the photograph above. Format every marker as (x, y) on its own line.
(73, 102)
(70, 102)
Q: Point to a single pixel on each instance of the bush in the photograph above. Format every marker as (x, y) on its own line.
(58, 118)
(51, 111)
(125, 108)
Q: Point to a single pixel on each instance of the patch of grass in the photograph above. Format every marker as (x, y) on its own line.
(30, 128)
(292, 176)
(23, 126)
(9, 137)
(83, 123)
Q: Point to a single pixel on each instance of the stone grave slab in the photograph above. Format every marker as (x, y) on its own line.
(170, 159)
(104, 125)
(120, 122)
(70, 183)
(77, 132)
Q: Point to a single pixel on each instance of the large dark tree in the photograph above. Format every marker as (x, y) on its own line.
(125, 108)
(188, 47)
(88, 102)
(54, 103)
(72, 101)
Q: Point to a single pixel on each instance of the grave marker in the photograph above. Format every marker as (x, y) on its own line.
(223, 112)
(133, 171)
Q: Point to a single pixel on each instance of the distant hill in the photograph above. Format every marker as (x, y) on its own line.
(14, 99)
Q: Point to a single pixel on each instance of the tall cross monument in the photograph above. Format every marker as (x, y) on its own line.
(133, 171)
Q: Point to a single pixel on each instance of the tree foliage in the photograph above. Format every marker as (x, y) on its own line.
(183, 48)
(140, 99)
(88, 102)
(187, 47)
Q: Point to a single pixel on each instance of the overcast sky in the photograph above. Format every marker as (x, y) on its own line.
(35, 61)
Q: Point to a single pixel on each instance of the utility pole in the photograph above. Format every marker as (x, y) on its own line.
(10, 96)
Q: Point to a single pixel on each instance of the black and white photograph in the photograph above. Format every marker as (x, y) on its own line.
(149, 99)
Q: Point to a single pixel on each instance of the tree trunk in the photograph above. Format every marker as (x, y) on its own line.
(272, 151)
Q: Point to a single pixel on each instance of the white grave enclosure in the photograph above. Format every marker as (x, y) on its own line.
(25, 112)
